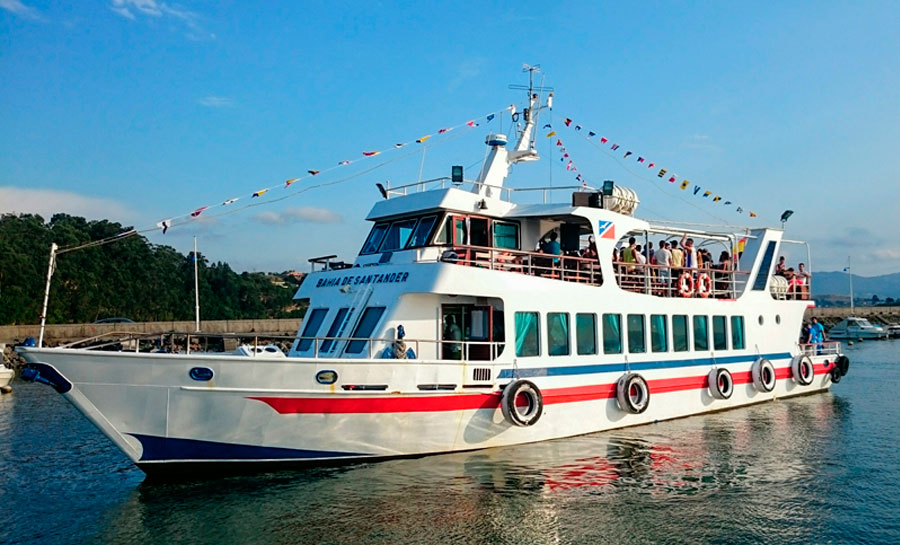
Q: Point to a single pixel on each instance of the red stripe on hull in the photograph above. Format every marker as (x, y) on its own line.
(464, 402)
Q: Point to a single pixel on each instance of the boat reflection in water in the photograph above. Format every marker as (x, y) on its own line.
(754, 474)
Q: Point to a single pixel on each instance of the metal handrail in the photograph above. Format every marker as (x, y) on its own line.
(505, 192)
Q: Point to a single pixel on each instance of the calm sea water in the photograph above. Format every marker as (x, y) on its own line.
(818, 469)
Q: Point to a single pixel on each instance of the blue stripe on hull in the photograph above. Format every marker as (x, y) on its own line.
(637, 366)
(170, 448)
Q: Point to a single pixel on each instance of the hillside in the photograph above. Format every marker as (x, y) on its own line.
(864, 287)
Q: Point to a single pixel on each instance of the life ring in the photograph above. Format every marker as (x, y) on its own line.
(843, 363)
(802, 370)
(721, 385)
(686, 284)
(522, 403)
(763, 374)
(515, 117)
(632, 393)
(704, 285)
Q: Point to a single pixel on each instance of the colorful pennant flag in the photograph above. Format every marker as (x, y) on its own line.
(672, 179)
(313, 172)
(640, 159)
(685, 184)
(717, 198)
(568, 122)
(344, 163)
(442, 131)
(259, 193)
(198, 211)
(558, 142)
(229, 201)
(577, 127)
(627, 153)
(696, 189)
(548, 126)
(651, 165)
(472, 123)
(371, 153)
(615, 147)
(752, 215)
(603, 140)
(707, 194)
(662, 173)
(424, 138)
(490, 118)
(551, 134)
(726, 203)
(164, 225)
(287, 183)
(591, 134)
(740, 210)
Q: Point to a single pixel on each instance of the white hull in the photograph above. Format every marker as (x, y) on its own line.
(6, 376)
(271, 411)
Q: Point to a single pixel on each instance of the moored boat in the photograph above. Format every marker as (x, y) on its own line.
(470, 320)
(854, 328)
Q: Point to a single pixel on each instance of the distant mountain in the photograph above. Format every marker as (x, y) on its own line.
(837, 283)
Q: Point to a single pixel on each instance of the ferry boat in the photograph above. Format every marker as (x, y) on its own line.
(476, 315)
(854, 328)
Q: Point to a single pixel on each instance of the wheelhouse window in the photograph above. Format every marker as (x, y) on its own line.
(701, 333)
(423, 230)
(398, 235)
(680, 341)
(527, 334)
(558, 333)
(636, 336)
(506, 235)
(370, 318)
(375, 238)
(586, 334)
(313, 323)
(329, 343)
(659, 341)
(612, 333)
(720, 333)
(478, 232)
(737, 333)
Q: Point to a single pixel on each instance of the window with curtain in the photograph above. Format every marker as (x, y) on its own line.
(612, 333)
(720, 333)
(313, 323)
(680, 341)
(558, 333)
(370, 318)
(586, 334)
(527, 334)
(329, 344)
(737, 333)
(659, 340)
(506, 235)
(701, 333)
(636, 335)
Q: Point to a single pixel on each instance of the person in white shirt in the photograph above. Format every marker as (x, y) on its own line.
(664, 260)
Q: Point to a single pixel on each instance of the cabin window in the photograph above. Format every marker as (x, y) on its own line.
(586, 333)
(612, 333)
(737, 333)
(478, 232)
(313, 323)
(765, 268)
(375, 238)
(527, 334)
(423, 230)
(680, 333)
(659, 340)
(506, 235)
(701, 333)
(329, 343)
(370, 318)
(558, 333)
(398, 235)
(720, 333)
(636, 338)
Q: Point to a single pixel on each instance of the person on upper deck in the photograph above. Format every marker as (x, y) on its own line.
(553, 247)
(802, 275)
(628, 253)
(591, 251)
(780, 267)
(677, 258)
(664, 260)
(690, 252)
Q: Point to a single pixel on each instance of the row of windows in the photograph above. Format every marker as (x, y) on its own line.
(363, 330)
(457, 230)
(528, 338)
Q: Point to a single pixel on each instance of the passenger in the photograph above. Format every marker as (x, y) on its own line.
(591, 251)
(816, 333)
(639, 259)
(452, 332)
(677, 260)
(664, 260)
(802, 275)
(553, 247)
(628, 253)
(723, 278)
(780, 267)
(690, 252)
(399, 350)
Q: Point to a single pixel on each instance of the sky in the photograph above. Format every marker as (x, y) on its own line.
(143, 110)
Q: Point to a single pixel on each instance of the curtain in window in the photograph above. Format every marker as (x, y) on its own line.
(526, 334)
(558, 333)
(612, 334)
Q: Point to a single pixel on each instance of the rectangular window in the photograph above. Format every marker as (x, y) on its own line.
(558, 333)
(659, 340)
(423, 229)
(701, 333)
(737, 333)
(313, 323)
(765, 268)
(398, 235)
(478, 232)
(636, 340)
(370, 318)
(612, 333)
(528, 334)
(375, 238)
(680, 341)
(720, 333)
(506, 235)
(586, 333)
(329, 343)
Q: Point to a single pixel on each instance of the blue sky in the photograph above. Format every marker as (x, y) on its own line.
(140, 110)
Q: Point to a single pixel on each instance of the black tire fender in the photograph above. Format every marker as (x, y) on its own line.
(518, 395)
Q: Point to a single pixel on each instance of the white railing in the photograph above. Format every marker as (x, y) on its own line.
(560, 267)
(506, 193)
(827, 348)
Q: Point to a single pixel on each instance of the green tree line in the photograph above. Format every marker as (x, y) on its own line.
(129, 278)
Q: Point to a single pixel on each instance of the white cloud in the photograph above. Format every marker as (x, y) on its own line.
(20, 9)
(309, 214)
(47, 202)
(213, 101)
(132, 9)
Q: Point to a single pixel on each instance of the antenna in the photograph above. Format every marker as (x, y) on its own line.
(531, 88)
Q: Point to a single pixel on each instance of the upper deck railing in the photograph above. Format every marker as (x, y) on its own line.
(506, 193)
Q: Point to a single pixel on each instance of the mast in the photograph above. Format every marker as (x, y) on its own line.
(196, 291)
(50, 267)
(496, 167)
(850, 273)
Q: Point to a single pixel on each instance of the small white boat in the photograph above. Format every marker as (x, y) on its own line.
(6, 376)
(893, 331)
(856, 328)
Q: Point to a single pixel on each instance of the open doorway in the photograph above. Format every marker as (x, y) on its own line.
(471, 332)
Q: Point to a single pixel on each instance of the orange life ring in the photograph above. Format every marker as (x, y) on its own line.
(704, 285)
(686, 284)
